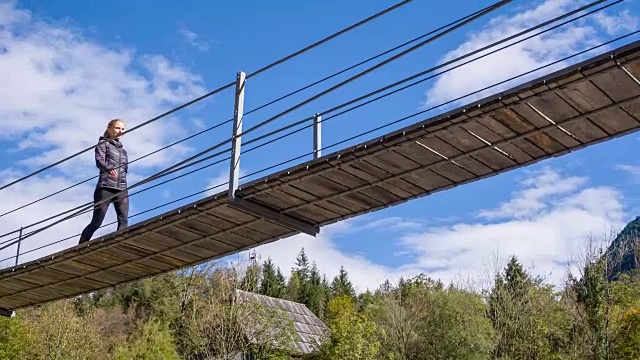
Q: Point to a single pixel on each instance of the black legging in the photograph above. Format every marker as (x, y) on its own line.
(121, 204)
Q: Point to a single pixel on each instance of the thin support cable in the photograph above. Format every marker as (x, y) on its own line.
(198, 99)
(338, 107)
(256, 109)
(385, 62)
(325, 112)
(386, 125)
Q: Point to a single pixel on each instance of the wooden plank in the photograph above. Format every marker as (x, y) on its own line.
(179, 234)
(616, 84)
(343, 177)
(475, 165)
(378, 196)
(232, 215)
(479, 128)
(268, 228)
(313, 214)
(73, 267)
(520, 149)
(393, 162)
(99, 259)
(584, 130)
(552, 140)
(402, 188)
(156, 264)
(273, 202)
(452, 172)
(362, 200)
(44, 276)
(285, 197)
(164, 258)
(137, 269)
(491, 158)
(392, 190)
(109, 277)
(232, 238)
(633, 109)
(199, 227)
(418, 153)
(320, 186)
(369, 168)
(214, 221)
(552, 106)
(81, 284)
(335, 207)
(633, 67)
(128, 251)
(516, 123)
(584, 96)
(469, 163)
(200, 252)
(182, 255)
(298, 193)
(460, 139)
(16, 284)
(214, 246)
(427, 180)
(165, 241)
(365, 176)
(249, 233)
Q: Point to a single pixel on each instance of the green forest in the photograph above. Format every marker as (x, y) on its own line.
(187, 314)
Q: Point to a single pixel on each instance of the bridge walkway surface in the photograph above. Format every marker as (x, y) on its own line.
(590, 102)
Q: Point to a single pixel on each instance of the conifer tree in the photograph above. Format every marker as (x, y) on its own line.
(272, 283)
(341, 285)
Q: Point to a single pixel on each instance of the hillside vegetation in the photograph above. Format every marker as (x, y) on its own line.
(188, 315)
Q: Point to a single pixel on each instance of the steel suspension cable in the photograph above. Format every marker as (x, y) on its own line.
(486, 11)
(371, 130)
(377, 91)
(258, 108)
(170, 169)
(213, 92)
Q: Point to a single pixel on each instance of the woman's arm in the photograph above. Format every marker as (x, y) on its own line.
(101, 156)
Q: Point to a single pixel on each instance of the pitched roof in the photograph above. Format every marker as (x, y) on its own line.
(310, 329)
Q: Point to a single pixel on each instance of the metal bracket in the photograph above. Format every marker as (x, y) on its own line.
(273, 215)
(7, 312)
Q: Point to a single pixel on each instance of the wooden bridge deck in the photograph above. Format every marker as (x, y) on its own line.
(582, 105)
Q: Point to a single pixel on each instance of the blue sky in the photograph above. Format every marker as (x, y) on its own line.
(73, 68)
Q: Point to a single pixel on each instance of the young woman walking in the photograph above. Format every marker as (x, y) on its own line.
(112, 161)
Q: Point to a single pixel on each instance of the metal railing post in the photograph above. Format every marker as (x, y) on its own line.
(238, 111)
(317, 136)
(18, 250)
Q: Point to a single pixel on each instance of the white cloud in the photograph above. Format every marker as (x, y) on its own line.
(545, 234)
(527, 55)
(194, 39)
(57, 92)
(63, 88)
(632, 170)
(535, 197)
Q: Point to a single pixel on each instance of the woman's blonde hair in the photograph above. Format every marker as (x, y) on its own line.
(110, 125)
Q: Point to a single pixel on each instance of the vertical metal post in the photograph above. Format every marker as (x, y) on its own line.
(238, 111)
(18, 250)
(317, 136)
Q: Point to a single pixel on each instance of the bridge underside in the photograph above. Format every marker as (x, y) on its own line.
(582, 105)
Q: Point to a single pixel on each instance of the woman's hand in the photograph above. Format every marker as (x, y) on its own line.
(113, 173)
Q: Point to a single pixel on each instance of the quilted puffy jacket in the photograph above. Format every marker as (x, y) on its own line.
(111, 154)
